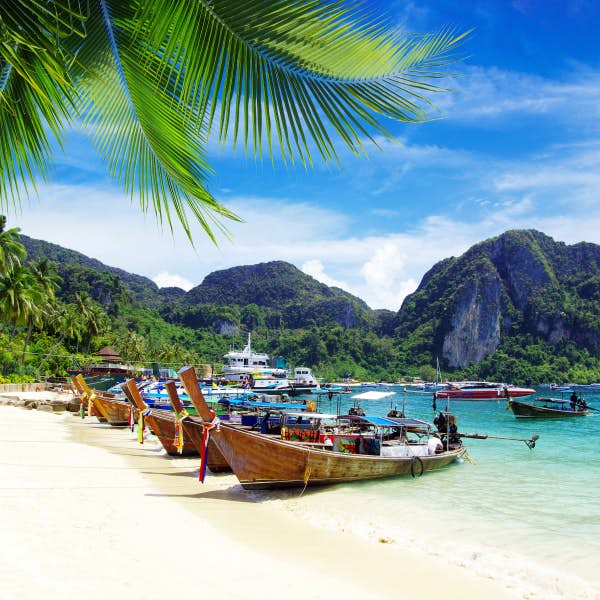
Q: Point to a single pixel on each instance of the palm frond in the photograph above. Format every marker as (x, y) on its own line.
(298, 71)
(151, 78)
(149, 145)
(36, 91)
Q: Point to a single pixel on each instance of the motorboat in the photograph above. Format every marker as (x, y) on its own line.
(482, 390)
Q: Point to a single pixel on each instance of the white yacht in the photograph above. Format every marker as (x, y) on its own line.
(240, 364)
(303, 382)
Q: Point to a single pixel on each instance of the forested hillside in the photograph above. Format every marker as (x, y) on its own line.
(518, 304)
(516, 307)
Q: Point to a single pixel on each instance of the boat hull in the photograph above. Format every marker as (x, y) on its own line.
(216, 462)
(264, 462)
(115, 411)
(524, 410)
(162, 423)
(491, 394)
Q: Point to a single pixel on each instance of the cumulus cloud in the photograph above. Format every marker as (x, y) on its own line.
(485, 94)
(314, 268)
(165, 279)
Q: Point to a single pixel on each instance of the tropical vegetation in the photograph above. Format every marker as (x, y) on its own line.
(59, 307)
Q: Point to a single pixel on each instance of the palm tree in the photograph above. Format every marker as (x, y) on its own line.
(20, 299)
(94, 318)
(18, 296)
(45, 273)
(45, 281)
(12, 252)
(152, 80)
(66, 323)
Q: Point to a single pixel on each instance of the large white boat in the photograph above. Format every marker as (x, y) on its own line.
(304, 381)
(240, 364)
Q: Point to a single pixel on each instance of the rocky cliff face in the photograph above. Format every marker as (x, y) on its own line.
(521, 282)
(475, 323)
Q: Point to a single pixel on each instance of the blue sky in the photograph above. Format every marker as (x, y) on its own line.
(518, 147)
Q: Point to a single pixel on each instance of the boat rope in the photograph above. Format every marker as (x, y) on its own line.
(206, 429)
(142, 424)
(178, 434)
(468, 458)
(306, 471)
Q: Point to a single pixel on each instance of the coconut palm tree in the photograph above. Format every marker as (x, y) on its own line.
(45, 273)
(152, 80)
(94, 318)
(20, 299)
(12, 252)
(19, 296)
(66, 323)
(45, 281)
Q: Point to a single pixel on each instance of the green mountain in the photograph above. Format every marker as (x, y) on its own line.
(102, 282)
(514, 307)
(518, 291)
(285, 296)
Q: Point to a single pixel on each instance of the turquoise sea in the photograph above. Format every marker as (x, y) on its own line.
(528, 517)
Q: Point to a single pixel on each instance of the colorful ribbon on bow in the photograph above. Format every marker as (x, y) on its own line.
(142, 425)
(178, 437)
(82, 407)
(91, 399)
(207, 428)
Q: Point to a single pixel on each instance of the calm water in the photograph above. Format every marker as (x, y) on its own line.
(528, 517)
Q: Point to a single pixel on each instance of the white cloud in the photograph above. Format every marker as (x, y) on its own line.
(314, 268)
(165, 279)
(484, 94)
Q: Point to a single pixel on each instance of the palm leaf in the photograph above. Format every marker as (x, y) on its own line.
(151, 78)
(36, 91)
(303, 68)
(149, 145)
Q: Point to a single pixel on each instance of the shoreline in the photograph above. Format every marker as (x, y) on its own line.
(94, 510)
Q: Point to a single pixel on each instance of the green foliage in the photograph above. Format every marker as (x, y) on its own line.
(293, 316)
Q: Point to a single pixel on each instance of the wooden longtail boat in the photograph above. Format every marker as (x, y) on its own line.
(114, 410)
(193, 432)
(89, 397)
(262, 461)
(550, 408)
(161, 422)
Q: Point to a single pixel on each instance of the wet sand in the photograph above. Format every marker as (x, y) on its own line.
(88, 512)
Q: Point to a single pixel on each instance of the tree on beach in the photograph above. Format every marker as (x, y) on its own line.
(152, 80)
(45, 281)
(12, 252)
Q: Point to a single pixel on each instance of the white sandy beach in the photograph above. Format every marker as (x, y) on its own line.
(86, 512)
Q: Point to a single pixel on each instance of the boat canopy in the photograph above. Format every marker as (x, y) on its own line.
(386, 421)
(372, 420)
(373, 395)
(308, 415)
(255, 404)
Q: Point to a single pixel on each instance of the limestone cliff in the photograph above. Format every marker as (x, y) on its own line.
(521, 282)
